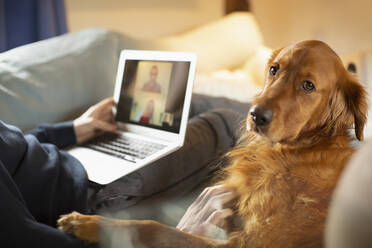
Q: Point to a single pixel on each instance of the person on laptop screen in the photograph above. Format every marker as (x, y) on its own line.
(152, 85)
(146, 117)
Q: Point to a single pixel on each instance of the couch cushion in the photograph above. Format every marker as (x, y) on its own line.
(56, 79)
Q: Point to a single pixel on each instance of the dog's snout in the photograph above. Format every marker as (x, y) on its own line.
(261, 116)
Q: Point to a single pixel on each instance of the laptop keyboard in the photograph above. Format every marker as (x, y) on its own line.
(124, 147)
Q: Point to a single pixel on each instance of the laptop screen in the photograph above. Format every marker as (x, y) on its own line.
(153, 93)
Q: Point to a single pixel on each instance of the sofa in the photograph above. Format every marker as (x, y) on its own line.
(57, 79)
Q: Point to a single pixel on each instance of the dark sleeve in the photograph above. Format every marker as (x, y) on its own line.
(59, 134)
(18, 227)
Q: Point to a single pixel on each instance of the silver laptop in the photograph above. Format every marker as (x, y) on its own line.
(153, 93)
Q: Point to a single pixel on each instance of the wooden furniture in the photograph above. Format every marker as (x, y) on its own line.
(236, 5)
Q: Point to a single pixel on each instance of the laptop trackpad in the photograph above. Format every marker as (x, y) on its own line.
(102, 168)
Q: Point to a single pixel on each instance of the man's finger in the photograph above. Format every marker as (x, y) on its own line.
(106, 102)
(82, 138)
(209, 190)
(108, 112)
(218, 201)
(112, 119)
(212, 191)
(215, 202)
(108, 119)
(217, 216)
(104, 126)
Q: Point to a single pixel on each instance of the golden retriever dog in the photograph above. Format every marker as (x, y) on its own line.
(286, 166)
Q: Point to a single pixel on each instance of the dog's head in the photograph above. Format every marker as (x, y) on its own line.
(307, 92)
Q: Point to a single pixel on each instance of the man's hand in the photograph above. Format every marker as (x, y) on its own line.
(207, 211)
(97, 119)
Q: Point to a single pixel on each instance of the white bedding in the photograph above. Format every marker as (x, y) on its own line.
(236, 85)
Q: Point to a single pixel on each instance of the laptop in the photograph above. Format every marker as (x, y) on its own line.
(152, 93)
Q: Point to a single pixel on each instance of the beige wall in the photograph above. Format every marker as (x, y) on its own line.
(344, 24)
(142, 18)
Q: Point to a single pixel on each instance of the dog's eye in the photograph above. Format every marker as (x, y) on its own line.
(308, 86)
(273, 70)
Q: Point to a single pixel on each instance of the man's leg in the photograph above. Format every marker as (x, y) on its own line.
(18, 228)
(203, 103)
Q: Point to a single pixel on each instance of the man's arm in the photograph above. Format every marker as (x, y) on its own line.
(94, 121)
(59, 134)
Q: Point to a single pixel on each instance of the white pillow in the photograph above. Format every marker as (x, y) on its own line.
(236, 85)
(255, 65)
(56, 79)
(223, 44)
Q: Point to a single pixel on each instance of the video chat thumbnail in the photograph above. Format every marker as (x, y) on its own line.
(150, 92)
(153, 93)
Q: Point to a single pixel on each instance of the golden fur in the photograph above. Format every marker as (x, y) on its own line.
(284, 173)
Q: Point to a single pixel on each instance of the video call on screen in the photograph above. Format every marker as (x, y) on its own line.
(153, 93)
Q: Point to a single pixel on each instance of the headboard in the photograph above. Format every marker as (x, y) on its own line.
(236, 5)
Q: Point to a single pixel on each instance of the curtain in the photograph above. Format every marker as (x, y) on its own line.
(26, 21)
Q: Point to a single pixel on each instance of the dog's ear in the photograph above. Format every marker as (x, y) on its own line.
(355, 97)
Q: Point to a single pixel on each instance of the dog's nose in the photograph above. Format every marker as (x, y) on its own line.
(261, 116)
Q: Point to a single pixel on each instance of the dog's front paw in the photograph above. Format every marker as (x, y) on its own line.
(84, 227)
